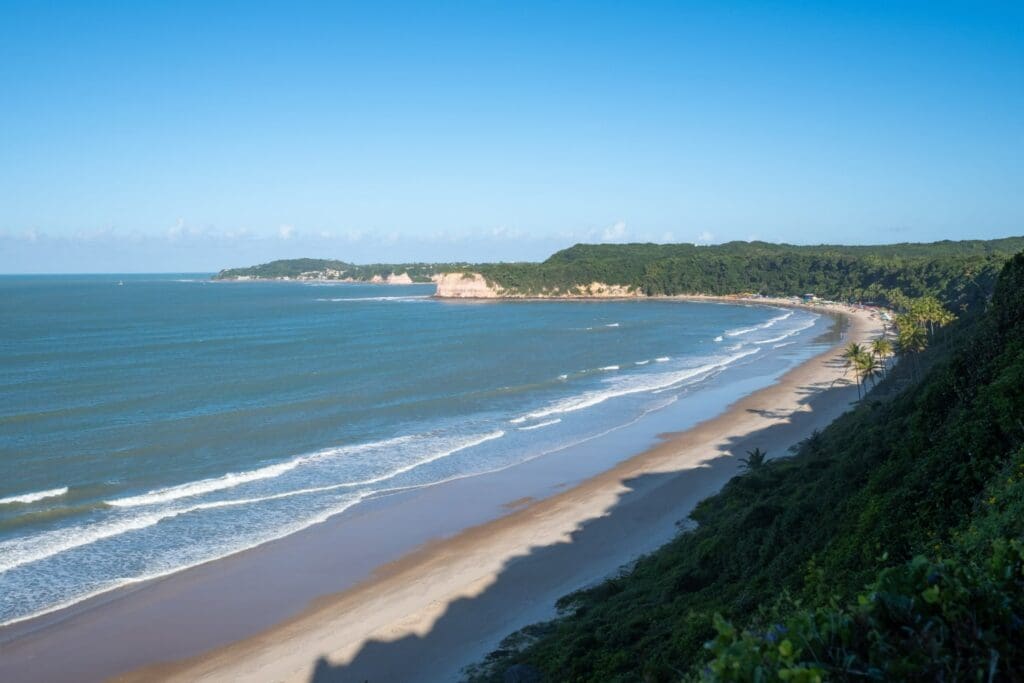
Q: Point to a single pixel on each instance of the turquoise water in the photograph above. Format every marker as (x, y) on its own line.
(150, 423)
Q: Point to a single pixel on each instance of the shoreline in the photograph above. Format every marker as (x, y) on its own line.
(449, 602)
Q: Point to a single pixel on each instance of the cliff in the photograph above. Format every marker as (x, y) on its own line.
(474, 286)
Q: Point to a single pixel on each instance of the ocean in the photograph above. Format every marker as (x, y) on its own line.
(149, 423)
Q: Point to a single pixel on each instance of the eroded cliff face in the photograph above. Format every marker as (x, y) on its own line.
(466, 286)
(475, 286)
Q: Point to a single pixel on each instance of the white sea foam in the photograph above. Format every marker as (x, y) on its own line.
(563, 377)
(548, 423)
(633, 384)
(377, 298)
(33, 497)
(718, 338)
(233, 479)
(662, 359)
(763, 326)
(779, 346)
(196, 488)
(641, 362)
(788, 334)
(609, 368)
(473, 441)
(22, 551)
(117, 583)
(612, 325)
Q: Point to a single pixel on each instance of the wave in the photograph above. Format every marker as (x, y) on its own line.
(763, 326)
(641, 362)
(775, 339)
(563, 377)
(35, 496)
(718, 338)
(378, 298)
(233, 479)
(117, 583)
(632, 384)
(31, 549)
(541, 424)
(779, 346)
(612, 325)
(474, 441)
(787, 335)
(609, 368)
(662, 359)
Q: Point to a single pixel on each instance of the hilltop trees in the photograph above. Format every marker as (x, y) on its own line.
(754, 460)
(957, 273)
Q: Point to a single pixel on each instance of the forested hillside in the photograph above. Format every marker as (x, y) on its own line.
(889, 547)
(956, 272)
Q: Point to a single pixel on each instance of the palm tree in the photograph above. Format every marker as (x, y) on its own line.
(913, 340)
(851, 354)
(754, 460)
(867, 367)
(881, 348)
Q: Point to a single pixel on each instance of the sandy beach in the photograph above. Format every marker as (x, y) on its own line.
(427, 615)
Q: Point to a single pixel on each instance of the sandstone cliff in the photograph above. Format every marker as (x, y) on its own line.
(475, 286)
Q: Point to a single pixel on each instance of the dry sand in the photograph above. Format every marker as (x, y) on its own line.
(439, 608)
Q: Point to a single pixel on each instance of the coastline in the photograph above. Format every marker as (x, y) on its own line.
(445, 605)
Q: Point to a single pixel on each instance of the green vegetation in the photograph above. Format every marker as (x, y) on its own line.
(336, 270)
(958, 273)
(889, 547)
(754, 460)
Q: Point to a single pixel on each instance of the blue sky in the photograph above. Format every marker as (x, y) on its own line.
(192, 136)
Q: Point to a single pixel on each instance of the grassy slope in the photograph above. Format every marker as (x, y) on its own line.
(907, 473)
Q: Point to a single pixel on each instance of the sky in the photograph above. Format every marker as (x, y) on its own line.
(193, 136)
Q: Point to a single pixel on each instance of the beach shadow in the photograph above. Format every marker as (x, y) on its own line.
(525, 589)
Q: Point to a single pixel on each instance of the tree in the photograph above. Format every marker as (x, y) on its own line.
(852, 354)
(754, 460)
(911, 339)
(868, 367)
(881, 349)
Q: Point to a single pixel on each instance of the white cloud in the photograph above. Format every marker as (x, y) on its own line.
(286, 231)
(705, 237)
(667, 238)
(615, 232)
(175, 231)
(505, 232)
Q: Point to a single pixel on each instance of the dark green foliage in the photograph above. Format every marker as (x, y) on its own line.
(958, 273)
(933, 471)
(958, 618)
